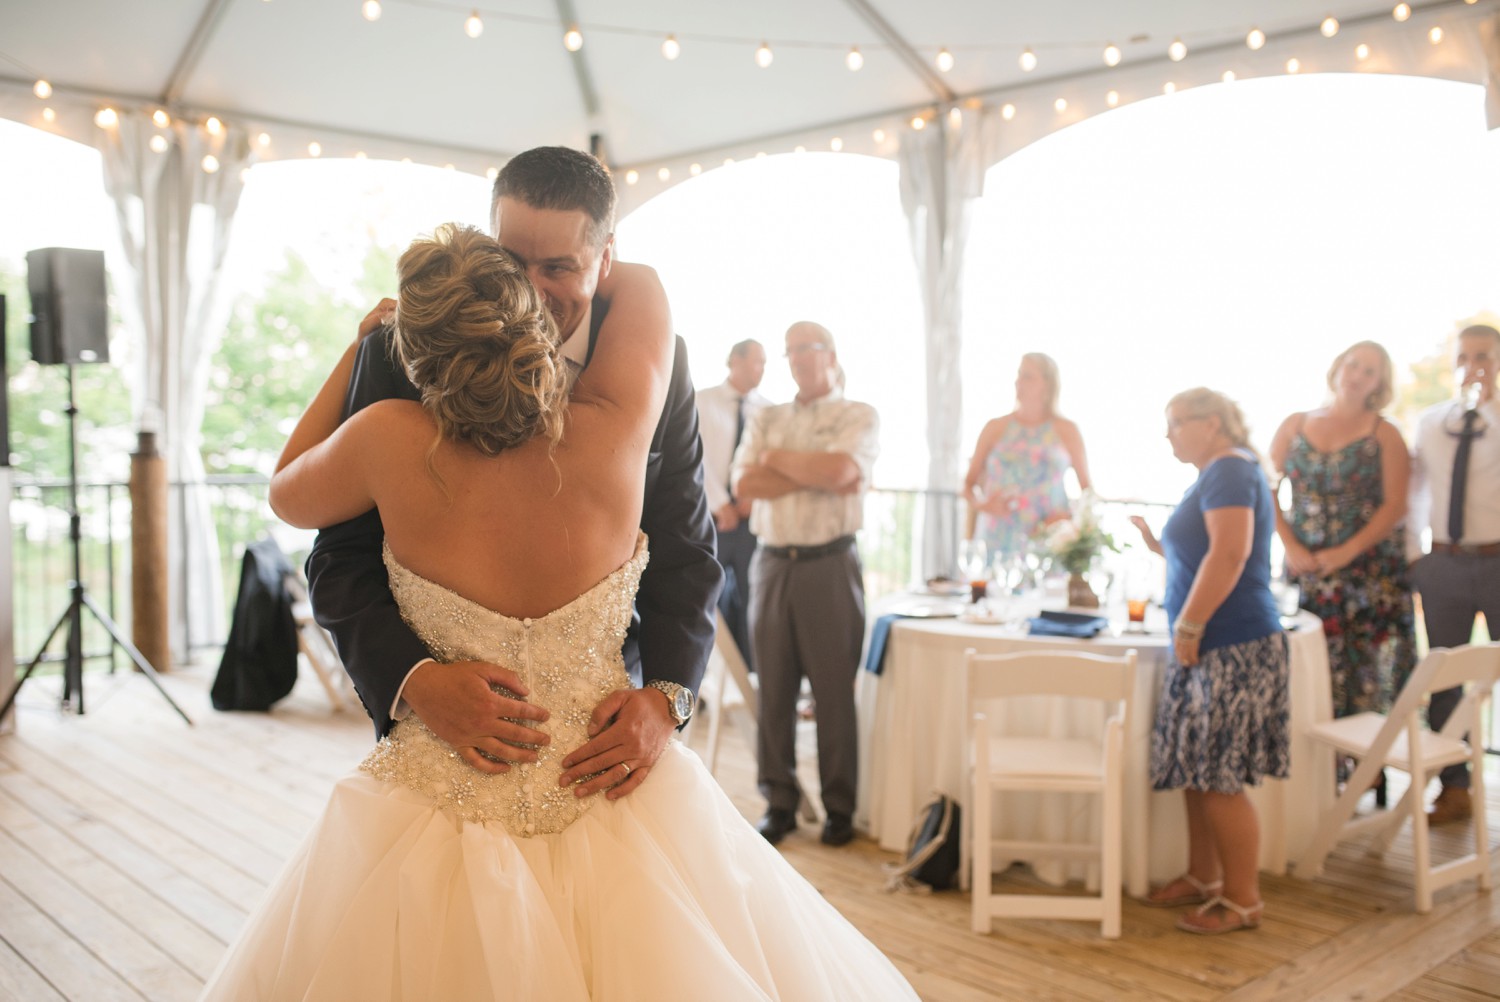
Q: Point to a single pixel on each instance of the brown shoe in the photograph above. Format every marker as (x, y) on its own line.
(1452, 804)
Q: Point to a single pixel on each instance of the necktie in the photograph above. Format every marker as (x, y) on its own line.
(1460, 478)
(739, 433)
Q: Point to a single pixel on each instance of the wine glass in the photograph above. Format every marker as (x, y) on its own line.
(973, 563)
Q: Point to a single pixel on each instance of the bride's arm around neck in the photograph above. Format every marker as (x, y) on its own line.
(627, 376)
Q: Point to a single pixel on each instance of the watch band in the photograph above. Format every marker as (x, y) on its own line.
(672, 690)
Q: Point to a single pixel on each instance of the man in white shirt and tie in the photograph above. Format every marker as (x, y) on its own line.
(1455, 489)
(724, 412)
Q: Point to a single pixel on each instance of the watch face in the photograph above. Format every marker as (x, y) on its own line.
(682, 704)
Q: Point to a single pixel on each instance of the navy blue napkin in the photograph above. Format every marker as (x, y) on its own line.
(879, 634)
(1066, 624)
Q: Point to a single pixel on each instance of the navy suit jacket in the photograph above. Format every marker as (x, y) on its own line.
(673, 627)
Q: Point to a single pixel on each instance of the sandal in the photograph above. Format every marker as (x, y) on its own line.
(1230, 917)
(1199, 894)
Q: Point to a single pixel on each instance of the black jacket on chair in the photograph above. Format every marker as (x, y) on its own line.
(260, 659)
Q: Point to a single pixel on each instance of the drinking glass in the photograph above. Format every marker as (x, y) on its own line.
(973, 562)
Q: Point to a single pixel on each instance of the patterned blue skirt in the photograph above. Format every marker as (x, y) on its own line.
(1224, 722)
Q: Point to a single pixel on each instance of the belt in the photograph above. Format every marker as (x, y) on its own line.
(1468, 549)
(809, 552)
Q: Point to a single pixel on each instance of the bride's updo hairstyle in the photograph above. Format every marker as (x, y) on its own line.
(475, 337)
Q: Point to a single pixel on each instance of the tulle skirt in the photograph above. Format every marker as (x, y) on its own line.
(664, 895)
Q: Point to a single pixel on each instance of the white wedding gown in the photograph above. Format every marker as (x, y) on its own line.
(426, 880)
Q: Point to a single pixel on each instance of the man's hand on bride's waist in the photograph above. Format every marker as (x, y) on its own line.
(457, 703)
(630, 728)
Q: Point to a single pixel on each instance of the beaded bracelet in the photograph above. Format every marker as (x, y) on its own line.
(1189, 630)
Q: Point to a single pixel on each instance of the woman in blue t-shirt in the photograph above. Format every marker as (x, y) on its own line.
(1221, 718)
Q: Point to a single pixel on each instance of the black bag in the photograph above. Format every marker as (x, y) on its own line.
(931, 849)
(260, 658)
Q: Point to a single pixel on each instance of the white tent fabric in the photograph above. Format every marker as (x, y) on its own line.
(174, 219)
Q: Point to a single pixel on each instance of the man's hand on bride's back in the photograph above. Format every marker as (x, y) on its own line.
(631, 728)
(456, 703)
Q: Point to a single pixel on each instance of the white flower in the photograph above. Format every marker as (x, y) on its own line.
(1061, 535)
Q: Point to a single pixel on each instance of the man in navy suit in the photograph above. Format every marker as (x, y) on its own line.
(553, 208)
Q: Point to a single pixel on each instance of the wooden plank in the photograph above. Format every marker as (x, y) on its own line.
(58, 957)
(20, 982)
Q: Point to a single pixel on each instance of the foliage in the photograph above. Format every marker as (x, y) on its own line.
(1076, 542)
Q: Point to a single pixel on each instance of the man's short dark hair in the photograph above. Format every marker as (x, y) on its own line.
(742, 348)
(556, 177)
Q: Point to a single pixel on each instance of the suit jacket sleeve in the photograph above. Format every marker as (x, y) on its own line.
(346, 575)
(680, 588)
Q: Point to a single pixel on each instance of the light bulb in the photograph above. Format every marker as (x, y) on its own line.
(1007, 111)
(664, 175)
(315, 149)
(1329, 27)
(1256, 38)
(854, 60)
(1111, 54)
(1060, 105)
(42, 89)
(836, 144)
(1112, 99)
(264, 139)
(1361, 51)
(161, 118)
(918, 123)
(729, 161)
(473, 26)
(944, 60)
(1169, 88)
(48, 115)
(670, 47)
(1228, 76)
(955, 118)
(1177, 50)
(213, 126)
(1294, 65)
(878, 135)
(632, 176)
(573, 39)
(1401, 12)
(763, 56)
(490, 173)
(799, 148)
(370, 9)
(107, 118)
(159, 144)
(1435, 36)
(695, 169)
(210, 164)
(1028, 59)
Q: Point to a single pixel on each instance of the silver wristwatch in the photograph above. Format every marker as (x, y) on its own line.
(679, 699)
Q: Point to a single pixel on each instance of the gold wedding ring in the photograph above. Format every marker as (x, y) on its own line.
(626, 767)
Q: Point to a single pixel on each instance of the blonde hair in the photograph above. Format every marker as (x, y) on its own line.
(1050, 375)
(1382, 394)
(1202, 402)
(477, 341)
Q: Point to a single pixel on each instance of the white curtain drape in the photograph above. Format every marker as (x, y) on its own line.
(942, 173)
(174, 208)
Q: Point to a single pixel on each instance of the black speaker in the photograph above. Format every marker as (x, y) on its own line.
(69, 315)
(4, 390)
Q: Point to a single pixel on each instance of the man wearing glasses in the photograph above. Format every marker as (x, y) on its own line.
(1456, 482)
(805, 465)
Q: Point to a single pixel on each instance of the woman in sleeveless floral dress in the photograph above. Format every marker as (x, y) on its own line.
(1348, 469)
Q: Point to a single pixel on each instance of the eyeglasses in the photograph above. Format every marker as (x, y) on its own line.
(802, 349)
(1174, 423)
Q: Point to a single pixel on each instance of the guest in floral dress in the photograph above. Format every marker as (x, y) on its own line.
(1015, 479)
(1348, 469)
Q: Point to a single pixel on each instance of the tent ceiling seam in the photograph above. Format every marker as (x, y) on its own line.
(910, 56)
(187, 60)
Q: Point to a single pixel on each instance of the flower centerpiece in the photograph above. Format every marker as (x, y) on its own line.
(1076, 542)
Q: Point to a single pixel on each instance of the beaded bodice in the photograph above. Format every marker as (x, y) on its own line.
(569, 660)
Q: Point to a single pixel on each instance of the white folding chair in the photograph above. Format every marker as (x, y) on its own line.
(1400, 741)
(315, 643)
(1062, 765)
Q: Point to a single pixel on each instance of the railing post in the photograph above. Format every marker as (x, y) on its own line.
(148, 549)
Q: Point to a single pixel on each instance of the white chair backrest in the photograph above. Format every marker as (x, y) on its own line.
(1477, 663)
(1051, 673)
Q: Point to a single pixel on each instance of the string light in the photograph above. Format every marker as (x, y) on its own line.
(572, 38)
(1329, 27)
(48, 115)
(1028, 59)
(695, 169)
(729, 161)
(473, 26)
(836, 144)
(158, 144)
(360, 155)
(107, 118)
(664, 175)
(670, 47)
(161, 118)
(1169, 88)
(1361, 52)
(210, 164)
(1112, 99)
(1060, 105)
(918, 123)
(632, 176)
(213, 126)
(264, 139)
(1294, 65)
(854, 60)
(944, 60)
(315, 149)
(42, 89)
(1255, 39)
(878, 135)
(1111, 54)
(1228, 76)
(1008, 111)
(491, 173)
(371, 10)
(955, 118)
(799, 148)
(1401, 12)
(448, 167)
(764, 55)
(1177, 51)
(1435, 36)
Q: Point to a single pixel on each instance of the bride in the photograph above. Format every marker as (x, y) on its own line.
(511, 514)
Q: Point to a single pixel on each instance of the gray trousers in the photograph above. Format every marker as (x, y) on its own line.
(1454, 589)
(807, 619)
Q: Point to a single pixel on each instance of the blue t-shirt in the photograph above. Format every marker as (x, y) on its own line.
(1249, 613)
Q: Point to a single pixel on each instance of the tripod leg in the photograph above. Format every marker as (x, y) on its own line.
(11, 699)
(135, 655)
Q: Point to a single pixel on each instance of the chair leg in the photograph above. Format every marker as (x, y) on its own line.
(1477, 797)
(1421, 850)
(1111, 835)
(979, 856)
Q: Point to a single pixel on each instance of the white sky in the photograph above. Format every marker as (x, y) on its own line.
(1232, 235)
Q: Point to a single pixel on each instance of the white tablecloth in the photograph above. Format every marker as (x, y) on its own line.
(914, 741)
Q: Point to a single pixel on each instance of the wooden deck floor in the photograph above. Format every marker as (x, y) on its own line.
(132, 846)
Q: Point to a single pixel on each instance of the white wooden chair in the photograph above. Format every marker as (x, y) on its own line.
(1063, 765)
(1400, 741)
(315, 643)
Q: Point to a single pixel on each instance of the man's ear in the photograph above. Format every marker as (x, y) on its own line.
(607, 259)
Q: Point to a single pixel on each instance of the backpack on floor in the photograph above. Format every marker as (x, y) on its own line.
(931, 850)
